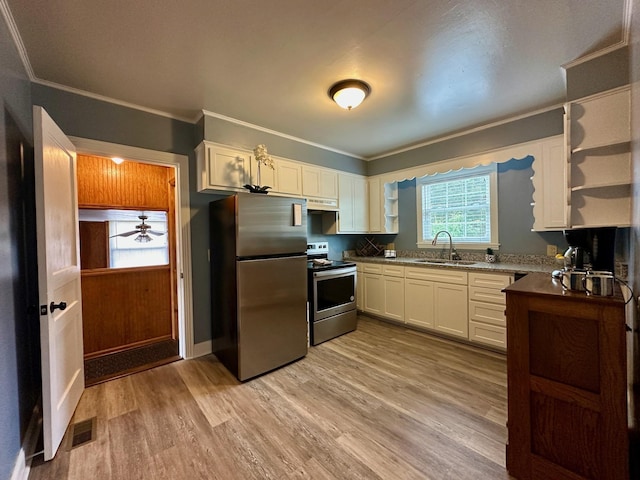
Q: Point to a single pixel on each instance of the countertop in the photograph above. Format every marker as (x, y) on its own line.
(497, 267)
(543, 285)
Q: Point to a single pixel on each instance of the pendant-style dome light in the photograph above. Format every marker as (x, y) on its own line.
(349, 93)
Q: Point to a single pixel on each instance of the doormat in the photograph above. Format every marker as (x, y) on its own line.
(106, 367)
(83, 432)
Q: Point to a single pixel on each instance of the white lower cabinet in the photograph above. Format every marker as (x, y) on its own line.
(418, 302)
(454, 302)
(393, 292)
(373, 288)
(437, 299)
(450, 309)
(487, 321)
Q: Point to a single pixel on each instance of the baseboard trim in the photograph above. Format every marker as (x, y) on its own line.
(23, 461)
(201, 349)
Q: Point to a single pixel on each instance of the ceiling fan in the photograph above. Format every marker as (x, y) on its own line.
(143, 230)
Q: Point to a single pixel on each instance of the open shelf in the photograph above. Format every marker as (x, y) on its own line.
(601, 207)
(595, 186)
(603, 149)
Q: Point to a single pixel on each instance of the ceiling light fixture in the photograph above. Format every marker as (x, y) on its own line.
(117, 160)
(349, 93)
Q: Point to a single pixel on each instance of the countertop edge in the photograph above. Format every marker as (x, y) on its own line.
(479, 266)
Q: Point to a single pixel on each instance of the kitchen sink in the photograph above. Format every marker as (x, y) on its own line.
(444, 261)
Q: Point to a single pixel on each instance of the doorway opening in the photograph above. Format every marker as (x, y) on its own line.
(181, 221)
(129, 266)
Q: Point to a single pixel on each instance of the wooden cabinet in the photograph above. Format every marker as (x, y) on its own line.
(222, 168)
(566, 373)
(319, 182)
(437, 298)
(487, 321)
(393, 292)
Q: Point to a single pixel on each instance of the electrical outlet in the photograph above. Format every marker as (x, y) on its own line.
(552, 250)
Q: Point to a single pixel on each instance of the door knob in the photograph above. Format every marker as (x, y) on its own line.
(53, 306)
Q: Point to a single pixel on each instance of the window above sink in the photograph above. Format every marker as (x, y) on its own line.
(464, 203)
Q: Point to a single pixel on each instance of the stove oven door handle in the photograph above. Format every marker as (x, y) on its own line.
(336, 272)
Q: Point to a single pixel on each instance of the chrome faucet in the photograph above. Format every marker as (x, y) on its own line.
(453, 255)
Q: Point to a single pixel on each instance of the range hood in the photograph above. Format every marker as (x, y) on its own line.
(322, 204)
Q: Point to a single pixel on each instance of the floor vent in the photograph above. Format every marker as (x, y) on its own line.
(83, 432)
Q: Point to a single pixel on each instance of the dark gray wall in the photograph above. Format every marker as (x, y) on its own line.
(19, 340)
(89, 118)
(216, 130)
(597, 75)
(515, 216)
(339, 243)
(523, 130)
(86, 117)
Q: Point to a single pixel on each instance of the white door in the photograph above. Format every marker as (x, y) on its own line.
(58, 278)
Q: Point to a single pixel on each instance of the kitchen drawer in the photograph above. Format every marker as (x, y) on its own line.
(487, 313)
(393, 271)
(488, 334)
(441, 275)
(490, 280)
(490, 295)
(372, 268)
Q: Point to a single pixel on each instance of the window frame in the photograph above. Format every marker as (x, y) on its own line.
(492, 171)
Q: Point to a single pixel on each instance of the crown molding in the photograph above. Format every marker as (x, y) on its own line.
(114, 101)
(242, 123)
(468, 132)
(624, 40)
(17, 39)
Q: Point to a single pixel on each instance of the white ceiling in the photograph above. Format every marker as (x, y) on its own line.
(435, 66)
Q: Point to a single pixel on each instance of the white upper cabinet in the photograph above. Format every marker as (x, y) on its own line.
(222, 168)
(289, 176)
(586, 182)
(375, 205)
(353, 203)
(319, 182)
(550, 184)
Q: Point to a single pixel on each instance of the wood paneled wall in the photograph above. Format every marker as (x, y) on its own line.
(124, 308)
(130, 185)
(94, 245)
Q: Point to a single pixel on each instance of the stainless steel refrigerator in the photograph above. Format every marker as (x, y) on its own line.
(258, 282)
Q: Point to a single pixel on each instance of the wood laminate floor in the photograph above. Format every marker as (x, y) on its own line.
(382, 402)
